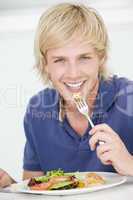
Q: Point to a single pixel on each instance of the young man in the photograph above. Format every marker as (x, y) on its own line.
(71, 48)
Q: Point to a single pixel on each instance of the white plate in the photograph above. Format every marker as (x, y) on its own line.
(112, 179)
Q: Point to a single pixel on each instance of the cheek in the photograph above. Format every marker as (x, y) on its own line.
(94, 69)
(55, 74)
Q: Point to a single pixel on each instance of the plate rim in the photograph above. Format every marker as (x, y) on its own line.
(15, 187)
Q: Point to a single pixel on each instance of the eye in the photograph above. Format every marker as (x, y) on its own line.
(85, 58)
(59, 60)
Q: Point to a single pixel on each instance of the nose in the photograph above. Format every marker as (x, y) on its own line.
(73, 70)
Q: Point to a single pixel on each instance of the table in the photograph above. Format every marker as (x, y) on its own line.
(122, 192)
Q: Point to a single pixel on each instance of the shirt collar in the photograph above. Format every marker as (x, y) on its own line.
(61, 109)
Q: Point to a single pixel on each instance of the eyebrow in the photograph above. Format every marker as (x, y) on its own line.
(83, 54)
(56, 57)
(86, 54)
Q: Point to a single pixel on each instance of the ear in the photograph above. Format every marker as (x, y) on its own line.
(103, 60)
(46, 69)
(47, 72)
(45, 64)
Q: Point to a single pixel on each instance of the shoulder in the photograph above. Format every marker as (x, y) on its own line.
(124, 96)
(117, 85)
(122, 83)
(46, 99)
(123, 87)
(47, 96)
(116, 90)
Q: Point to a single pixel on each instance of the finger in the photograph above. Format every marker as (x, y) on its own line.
(101, 127)
(5, 181)
(103, 148)
(2, 173)
(106, 158)
(2, 182)
(99, 136)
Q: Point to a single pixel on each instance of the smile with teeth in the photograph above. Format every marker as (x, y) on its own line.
(75, 85)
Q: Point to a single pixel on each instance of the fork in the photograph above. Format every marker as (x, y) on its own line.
(83, 108)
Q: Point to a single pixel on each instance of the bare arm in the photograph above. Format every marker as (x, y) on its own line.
(30, 174)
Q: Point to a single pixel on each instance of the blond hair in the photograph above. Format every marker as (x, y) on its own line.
(57, 26)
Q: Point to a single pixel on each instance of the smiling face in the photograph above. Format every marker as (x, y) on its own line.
(73, 68)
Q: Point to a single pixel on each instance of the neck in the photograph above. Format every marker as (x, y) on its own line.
(92, 96)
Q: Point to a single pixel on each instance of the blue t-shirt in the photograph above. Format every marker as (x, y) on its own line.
(53, 144)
